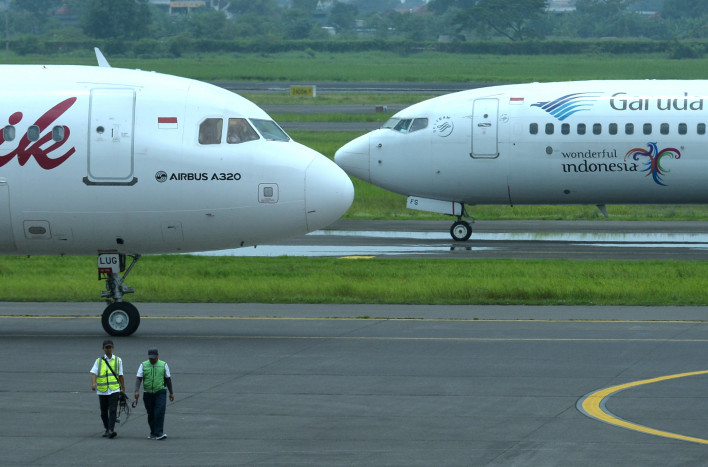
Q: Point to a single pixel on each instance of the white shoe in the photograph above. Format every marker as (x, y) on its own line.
(162, 436)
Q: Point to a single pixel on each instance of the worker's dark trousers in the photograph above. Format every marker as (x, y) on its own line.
(155, 405)
(109, 405)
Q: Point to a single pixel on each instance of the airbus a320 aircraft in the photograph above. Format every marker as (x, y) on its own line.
(115, 163)
(591, 142)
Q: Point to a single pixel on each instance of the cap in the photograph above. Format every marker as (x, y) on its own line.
(152, 352)
(107, 342)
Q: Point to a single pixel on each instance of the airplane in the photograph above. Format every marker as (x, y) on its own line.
(584, 142)
(119, 163)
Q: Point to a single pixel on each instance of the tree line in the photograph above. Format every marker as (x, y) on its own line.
(30, 23)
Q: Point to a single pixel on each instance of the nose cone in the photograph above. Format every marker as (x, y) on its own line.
(328, 193)
(353, 157)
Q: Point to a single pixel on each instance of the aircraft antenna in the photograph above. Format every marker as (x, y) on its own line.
(101, 59)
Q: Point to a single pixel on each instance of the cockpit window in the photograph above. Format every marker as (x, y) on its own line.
(240, 131)
(403, 125)
(270, 130)
(418, 124)
(210, 131)
(406, 125)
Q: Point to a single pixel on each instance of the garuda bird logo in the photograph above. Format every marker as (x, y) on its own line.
(652, 159)
(567, 105)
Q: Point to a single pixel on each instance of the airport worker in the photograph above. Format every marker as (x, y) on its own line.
(107, 380)
(155, 376)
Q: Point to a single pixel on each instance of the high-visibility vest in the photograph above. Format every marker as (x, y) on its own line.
(105, 379)
(153, 376)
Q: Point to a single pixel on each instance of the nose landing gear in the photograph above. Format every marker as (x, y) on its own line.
(119, 318)
(461, 230)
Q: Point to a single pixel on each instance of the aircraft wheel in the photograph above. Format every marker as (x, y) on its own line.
(120, 319)
(461, 231)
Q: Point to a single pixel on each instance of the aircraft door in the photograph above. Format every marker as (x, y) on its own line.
(111, 125)
(485, 128)
(7, 240)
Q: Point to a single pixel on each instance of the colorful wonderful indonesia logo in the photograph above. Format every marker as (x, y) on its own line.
(652, 160)
(565, 106)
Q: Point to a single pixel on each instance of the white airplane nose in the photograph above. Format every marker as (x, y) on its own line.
(328, 193)
(353, 157)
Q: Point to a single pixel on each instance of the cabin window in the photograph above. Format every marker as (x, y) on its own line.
(629, 128)
(701, 129)
(597, 128)
(565, 128)
(664, 128)
(270, 130)
(8, 133)
(240, 131)
(58, 133)
(581, 128)
(682, 128)
(33, 133)
(418, 124)
(210, 131)
(533, 128)
(402, 126)
(549, 128)
(612, 128)
(647, 128)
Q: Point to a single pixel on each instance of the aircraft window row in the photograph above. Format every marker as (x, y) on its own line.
(9, 133)
(239, 130)
(406, 125)
(613, 128)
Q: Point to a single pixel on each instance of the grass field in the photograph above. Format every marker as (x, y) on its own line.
(389, 66)
(325, 280)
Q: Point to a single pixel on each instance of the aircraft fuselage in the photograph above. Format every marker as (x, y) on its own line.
(593, 142)
(95, 159)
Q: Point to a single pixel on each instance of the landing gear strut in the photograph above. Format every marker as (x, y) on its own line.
(119, 318)
(461, 230)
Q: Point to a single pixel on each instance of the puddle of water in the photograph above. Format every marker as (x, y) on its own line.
(633, 240)
(321, 251)
(535, 236)
(693, 246)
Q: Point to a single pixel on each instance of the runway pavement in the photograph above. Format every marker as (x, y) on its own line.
(364, 385)
(575, 240)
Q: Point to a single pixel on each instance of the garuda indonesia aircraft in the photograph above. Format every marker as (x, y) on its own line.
(591, 142)
(115, 163)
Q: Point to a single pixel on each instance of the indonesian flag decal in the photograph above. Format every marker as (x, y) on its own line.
(167, 123)
(516, 100)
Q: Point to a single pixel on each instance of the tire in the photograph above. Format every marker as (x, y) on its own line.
(120, 319)
(461, 231)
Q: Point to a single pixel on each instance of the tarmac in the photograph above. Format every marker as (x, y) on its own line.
(268, 384)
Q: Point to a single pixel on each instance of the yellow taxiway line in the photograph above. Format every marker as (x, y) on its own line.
(594, 406)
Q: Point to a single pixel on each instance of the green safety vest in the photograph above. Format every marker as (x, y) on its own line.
(153, 376)
(105, 379)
